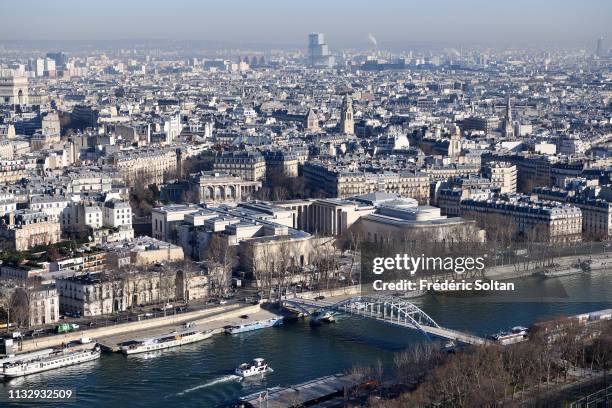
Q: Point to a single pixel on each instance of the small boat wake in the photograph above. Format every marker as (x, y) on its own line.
(225, 378)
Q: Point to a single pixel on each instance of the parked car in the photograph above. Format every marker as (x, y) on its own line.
(244, 316)
(38, 332)
(66, 327)
(319, 298)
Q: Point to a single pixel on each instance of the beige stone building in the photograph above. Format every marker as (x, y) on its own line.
(502, 174)
(214, 187)
(153, 165)
(596, 216)
(536, 221)
(249, 166)
(266, 258)
(453, 170)
(141, 251)
(394, 224)
(44, 305)
(107, 293)
(25, 229)
(13, 170)
(326, 216)
(340, 183)
(281, 163)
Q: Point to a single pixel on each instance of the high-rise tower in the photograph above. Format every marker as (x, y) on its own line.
(600, 47)
(347, 123)
(318, 51)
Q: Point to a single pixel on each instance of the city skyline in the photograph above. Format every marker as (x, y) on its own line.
(521, 23)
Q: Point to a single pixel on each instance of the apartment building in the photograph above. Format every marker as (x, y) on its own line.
(152, 165)
(249, 166)
(502, 174)
(24, 229)
(341, 183)
(535, 220)
(106, 293)
(44, 305)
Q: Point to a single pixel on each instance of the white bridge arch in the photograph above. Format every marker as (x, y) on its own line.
(384, 308)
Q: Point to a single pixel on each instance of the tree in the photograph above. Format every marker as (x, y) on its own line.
(53, 254)
(262, 262)
(117, 280)
(324, 257)
(166, 281)
(183, 280)
(5, 306)
(221, 257)
(19, 306)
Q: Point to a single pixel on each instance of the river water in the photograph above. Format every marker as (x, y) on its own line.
(200, 375)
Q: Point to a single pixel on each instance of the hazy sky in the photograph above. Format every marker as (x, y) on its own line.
(287, 22)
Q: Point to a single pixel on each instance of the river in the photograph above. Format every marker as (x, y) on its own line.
(200, 375)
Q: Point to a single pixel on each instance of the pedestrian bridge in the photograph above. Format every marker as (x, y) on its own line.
(388, 309)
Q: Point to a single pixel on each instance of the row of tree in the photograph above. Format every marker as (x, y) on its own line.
(491, 375)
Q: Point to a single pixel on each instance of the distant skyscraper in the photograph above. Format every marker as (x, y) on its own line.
(318, 51)
(60, 59)
(600, 47)
(347, 123)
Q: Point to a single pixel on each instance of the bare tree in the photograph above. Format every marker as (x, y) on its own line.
(262, 263)
(19, 306)
(165, 281)
(222, 256)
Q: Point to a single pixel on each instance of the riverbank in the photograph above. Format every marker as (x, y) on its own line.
(506, 272)
(134, 329)
(200, 375)
(215, 323)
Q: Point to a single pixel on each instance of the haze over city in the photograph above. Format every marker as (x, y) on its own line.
(282, 23)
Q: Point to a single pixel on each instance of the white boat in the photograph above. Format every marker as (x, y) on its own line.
(559, 272)
(62, 357)
(257, 366)
(326, 317)
(516, 335)
(260, 324)
(186, 335)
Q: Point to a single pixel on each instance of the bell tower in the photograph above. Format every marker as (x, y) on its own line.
(347, 123)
